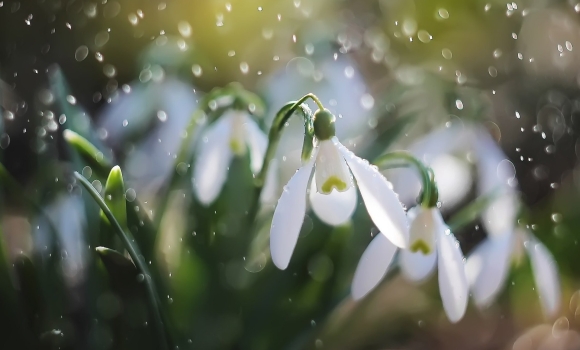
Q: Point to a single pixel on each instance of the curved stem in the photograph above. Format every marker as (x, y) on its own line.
(429, 193)
(279, 122)
(137, 257)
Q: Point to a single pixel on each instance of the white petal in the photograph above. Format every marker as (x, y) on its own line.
(500, 216)
(213, 159)
(288, 216)
(545, 272)
(417, 266)
(257, 142)
(335, 208)
(424, 225)
(372, 266)
(487, 268)
(380, 200)
(454, 179)
(453, 285)
(331, 170)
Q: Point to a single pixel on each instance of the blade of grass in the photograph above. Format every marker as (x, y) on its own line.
(135, 254)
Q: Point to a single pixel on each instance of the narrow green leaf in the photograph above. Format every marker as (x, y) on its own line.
(88, 151)
(115, 196)
(134, 252)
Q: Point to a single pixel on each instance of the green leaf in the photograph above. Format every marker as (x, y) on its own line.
(88, 151)
(134, 252)
(115, 196)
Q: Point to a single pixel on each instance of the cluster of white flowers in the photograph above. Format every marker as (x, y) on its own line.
(329, 179)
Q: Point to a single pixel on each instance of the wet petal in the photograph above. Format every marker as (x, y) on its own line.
(335, 208)
(372, 266)
(213, 159)
(417, 266)
(425, 223)
(288, 217)
(453, 285)
(380, 200)
(546, 277)
(487, 268)
(257, 142)
(331, 170)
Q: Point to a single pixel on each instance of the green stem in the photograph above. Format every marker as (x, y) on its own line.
(429, 195)
(279, 122)
(135, 254)
(471, 211)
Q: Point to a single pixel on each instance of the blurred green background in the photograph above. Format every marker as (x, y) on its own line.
(392, 70)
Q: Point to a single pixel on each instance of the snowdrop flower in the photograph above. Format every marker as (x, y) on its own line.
(431, 243)
(333, 194)
(67, 215)
(156, 112)
(488, 265)
(438, 150)
(337, 82)
(227, 137)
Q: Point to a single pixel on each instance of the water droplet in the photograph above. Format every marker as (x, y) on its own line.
(101, 38)
(81, 53)
(125, 122)
(443, 13)
(367, 101)
(184, 29)
(87, 172)
(4, 141)
(130, 195)
(196, 70)
(162, 116)
(71, 99)
(560, 327)
(447, 54)
(109, 71)
(244, 67)
(111, 9)
(133, 19)
(140, 277)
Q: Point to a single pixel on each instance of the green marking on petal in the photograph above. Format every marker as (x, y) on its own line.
(237, 147)
(333, 182)
(420, 245)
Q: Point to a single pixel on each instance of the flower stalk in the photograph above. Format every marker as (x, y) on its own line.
(429, 194)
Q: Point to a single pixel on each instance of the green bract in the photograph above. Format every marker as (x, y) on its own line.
(324, 128)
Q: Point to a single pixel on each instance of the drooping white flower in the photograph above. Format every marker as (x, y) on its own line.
(229, 136)
(445, 151)
(333, 197)
(148, 119)
(488, 265)
(66, 213)
(430, 244)
(334, 81)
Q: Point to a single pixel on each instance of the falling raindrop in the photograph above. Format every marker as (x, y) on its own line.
(244, 67)
(81, 53)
